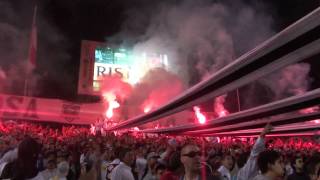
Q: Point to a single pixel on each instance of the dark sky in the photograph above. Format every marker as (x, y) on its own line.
(71, 21)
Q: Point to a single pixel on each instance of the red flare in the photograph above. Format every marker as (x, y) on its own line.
(112, 104)
(147, 109)
(201, 118)
(93, 129)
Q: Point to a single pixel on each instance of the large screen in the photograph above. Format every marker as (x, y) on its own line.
(100, 59)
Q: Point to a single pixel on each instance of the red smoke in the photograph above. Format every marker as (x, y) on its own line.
(219, 107)
(156, 88)
(115, 85)
(159, 86)
(112, 88)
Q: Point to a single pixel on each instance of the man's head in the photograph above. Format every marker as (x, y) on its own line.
(191, 158)
(297, 163)
(108, 155)
(313, 168)
(51, 160)
(152, 159)
(227, 161)
(159, 170)
(63, 169)
(126, 155)
(214, 161)
(271, 162)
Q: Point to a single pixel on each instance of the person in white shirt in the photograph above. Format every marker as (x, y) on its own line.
(226, 167)
(62, 171)
(141, 163)
(250, 169)
(150, 173)
(123, 171)
(111, 166)
(107, 157)
(9, 156)
(50, 170)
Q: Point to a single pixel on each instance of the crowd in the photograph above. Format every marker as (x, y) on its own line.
(40, 152)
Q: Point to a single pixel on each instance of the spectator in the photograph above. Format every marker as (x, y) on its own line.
(190, 158)
(25, 166)
(50, 164)
(150, 173)
(159, 170)
(123, 170)
(271, 166)
(226, 167)
(171, 147)
(298, 169)
(107, 158)
(174, 167)
(115, 162)
(214, 163)
(313, 167)
(88, 171)
(251, 169)
(62, 171)
(141, 162)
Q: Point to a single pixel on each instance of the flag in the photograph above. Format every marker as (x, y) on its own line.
(33, 41)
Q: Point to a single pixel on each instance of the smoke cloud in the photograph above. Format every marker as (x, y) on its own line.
(156, 88)
(15, 29)
(201, 37)
(13, 50)
(290, 81)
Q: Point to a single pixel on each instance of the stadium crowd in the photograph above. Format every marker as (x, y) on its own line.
(39, 152)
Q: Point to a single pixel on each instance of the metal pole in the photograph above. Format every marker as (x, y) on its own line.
(25, 90)
(238, 97)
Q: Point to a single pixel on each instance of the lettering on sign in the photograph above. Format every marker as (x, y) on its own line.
(19, 106)
(109, 70)
(70, 111)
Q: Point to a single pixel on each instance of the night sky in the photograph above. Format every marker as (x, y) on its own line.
(62, 24)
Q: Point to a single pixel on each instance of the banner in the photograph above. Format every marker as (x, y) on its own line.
(33, 40)
(52, 110)
(87, 59)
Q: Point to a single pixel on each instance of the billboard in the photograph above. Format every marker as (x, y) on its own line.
(99, 59)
